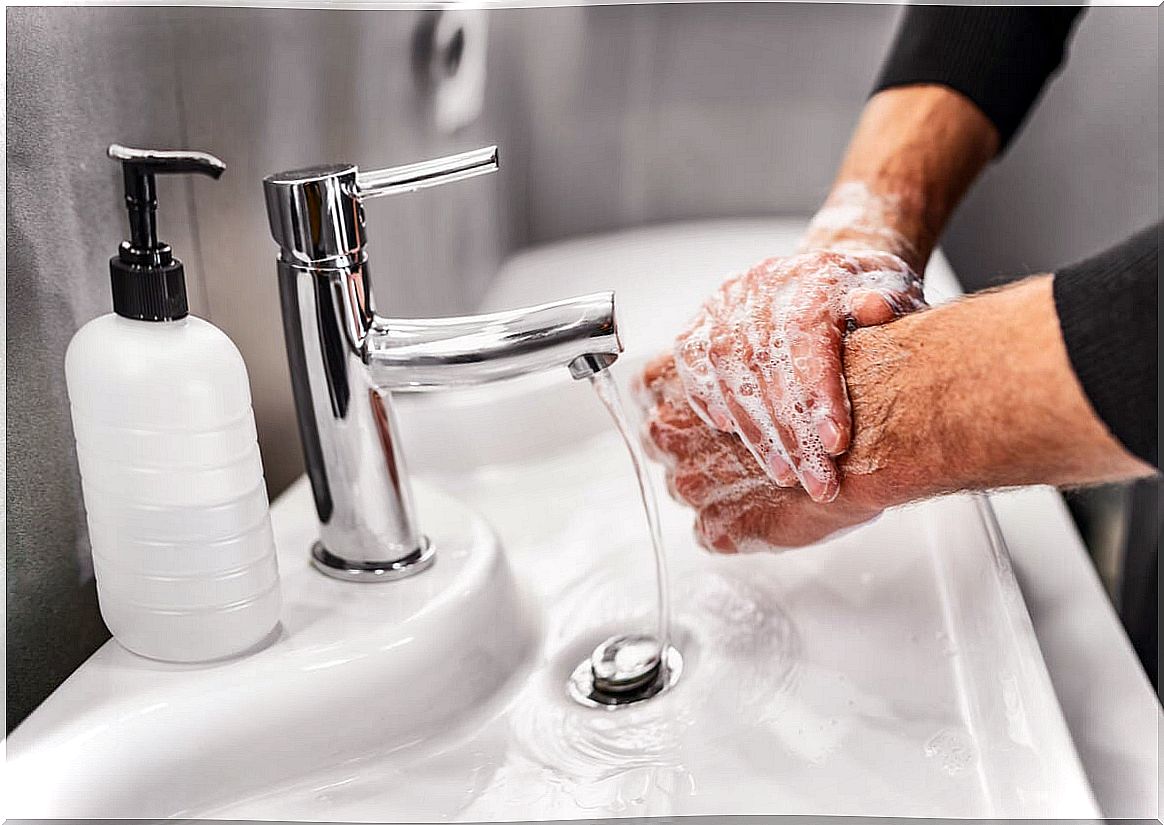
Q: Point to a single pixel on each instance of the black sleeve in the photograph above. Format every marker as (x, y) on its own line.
(998, 57)
(1108, 308)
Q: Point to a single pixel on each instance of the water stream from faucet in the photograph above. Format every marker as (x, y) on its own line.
(607, 390)
(631, 667)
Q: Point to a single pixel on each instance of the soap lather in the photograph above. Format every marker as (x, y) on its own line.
(176, 506)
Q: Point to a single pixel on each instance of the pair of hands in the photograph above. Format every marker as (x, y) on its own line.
(751, 410)
(753, 413)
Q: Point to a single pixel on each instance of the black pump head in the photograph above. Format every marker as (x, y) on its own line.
(149, 283)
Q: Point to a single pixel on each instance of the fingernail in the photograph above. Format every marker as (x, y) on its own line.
(817, 489)
(822, 492)
(830, 434)
(778, 469)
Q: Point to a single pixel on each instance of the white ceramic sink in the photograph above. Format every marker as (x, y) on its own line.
(892, 671)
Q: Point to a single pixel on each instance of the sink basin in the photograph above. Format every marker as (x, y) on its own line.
(891, 671)
(352, 669)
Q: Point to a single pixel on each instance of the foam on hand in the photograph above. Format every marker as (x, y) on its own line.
(762, 359)
(853, 210)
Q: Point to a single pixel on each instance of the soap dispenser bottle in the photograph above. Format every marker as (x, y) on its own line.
(182, 546)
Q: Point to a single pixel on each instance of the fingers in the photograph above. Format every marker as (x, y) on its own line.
(771, 519)
(699, 385)
(820, 402)
(652, 449)
(890, 289)
(669, 443)
(762, 359)
(743, 366)
(873, 307)
(869, 308)
(699, 484)
(781, 381)
(658, 369)
(713, 528)
(671, 432)
(739, 509)
(770, 443)
(780, 471)
(693, 358)
(820, 480)
(658, 390)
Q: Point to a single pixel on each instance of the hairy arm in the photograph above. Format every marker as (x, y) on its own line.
(972, 395)
(914, 153)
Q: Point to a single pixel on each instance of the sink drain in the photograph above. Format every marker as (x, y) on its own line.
(624, 670)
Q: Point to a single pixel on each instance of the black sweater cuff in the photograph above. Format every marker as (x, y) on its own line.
(998, 57)
(1108, 308)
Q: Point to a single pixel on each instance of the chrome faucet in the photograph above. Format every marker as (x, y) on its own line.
(346, 360)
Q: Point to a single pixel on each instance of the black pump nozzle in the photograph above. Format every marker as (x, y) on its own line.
(149, 284)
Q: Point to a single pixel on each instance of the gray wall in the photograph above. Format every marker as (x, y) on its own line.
(1085, 171)
(607, 117)
(695, 110)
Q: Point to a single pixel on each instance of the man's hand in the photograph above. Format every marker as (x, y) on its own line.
(738, 507)
(972, 395)
(763, 357)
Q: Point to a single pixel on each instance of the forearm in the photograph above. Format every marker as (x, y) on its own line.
(973, 395)
(915, 152)
(955, 87)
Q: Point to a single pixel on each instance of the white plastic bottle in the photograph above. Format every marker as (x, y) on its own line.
(173, 482)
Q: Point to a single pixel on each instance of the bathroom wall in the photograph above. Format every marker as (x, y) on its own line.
(657, 112)
(607, 116)
(1085, 171)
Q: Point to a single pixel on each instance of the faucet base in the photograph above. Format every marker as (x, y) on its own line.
(332, 565)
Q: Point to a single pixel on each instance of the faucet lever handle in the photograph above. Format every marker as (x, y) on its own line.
(426, 173)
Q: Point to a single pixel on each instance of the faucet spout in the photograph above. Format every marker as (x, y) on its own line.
(578, 333)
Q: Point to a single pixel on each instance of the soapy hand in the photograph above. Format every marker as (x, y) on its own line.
(762, 359)
(739, 508)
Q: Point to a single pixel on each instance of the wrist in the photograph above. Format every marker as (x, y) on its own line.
(914, 153)
(894, 456)
(858, 216)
